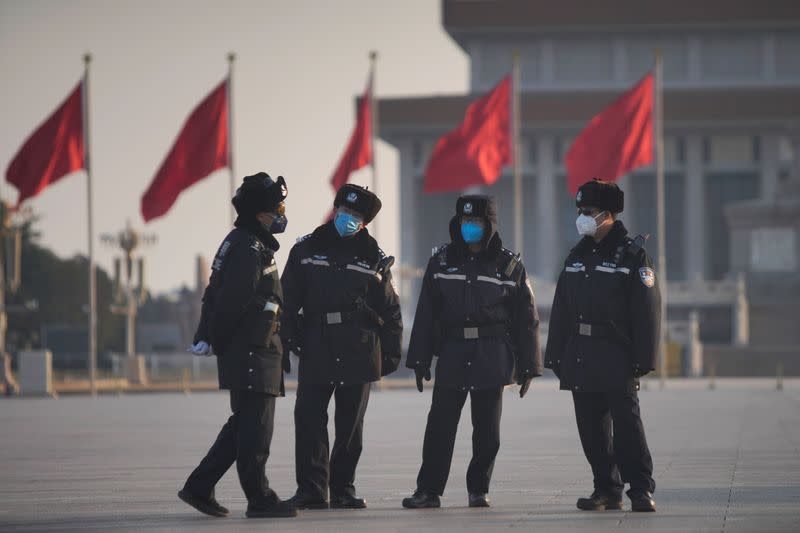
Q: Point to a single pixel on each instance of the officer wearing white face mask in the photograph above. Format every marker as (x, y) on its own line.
(603, 336)
(348, 335)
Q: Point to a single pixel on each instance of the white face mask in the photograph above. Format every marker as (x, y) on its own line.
(587, 225)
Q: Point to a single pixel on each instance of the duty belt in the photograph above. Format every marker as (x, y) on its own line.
(476, 332)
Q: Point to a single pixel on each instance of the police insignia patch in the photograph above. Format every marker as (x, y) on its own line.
(352, 197)
(579, 196)
(467, 208)
(648, 276)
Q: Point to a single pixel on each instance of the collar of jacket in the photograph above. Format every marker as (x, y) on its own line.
(326, 239)
(256, 228)
(605, 247)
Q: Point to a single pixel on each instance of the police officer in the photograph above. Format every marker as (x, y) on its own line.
(240, 319)
(476, 313)
(342, 318)
(603, 336)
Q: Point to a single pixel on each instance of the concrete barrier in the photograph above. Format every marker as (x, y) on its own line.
(36, 373)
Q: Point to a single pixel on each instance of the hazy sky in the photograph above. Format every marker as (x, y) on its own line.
(300, 64)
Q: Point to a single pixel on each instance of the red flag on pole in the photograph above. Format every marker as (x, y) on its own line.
(616, 141)
(475, 152)
(200, 149)
(358, 153)
(54, 150)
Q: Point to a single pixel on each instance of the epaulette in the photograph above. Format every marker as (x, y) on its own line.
(632, 247)
(514, 260)
(257, 245)
(381, 253)
(303, 238)
(440, 252)
(385, 263)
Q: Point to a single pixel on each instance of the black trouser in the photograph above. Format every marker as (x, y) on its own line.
(440, 438)
(314, 469)
(612, 435)
(245, 439)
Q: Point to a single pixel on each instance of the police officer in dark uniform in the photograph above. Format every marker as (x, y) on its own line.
(476, 313)
(240, 319)
(342, 318)
(603, 336)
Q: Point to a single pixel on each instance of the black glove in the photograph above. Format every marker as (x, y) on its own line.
(524, 379)
(422, 373)
(286, 361)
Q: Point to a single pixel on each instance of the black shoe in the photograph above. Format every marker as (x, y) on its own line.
(422, 500)
(599, 501)
(208, 506)
(478, 499)
(279, 509)
(302, 500)
(642, 501)
(348, 501)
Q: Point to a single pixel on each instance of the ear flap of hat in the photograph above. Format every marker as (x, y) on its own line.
(359, 199)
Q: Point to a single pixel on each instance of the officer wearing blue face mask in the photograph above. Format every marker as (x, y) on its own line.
(240, 318)
(476, 314)
(342, 318)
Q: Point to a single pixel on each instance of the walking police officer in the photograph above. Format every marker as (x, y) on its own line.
(476, 313)
(603, 336)
(342, 318)
(240, 319)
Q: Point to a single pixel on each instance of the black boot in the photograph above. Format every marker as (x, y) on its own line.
(347, 501)
(422, 500)
(278, 509)
(478, 499)
(600, 501)
(302, 500)
(642, 501)
(208, 506)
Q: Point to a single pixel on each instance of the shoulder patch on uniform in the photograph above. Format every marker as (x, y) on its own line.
(648, 276)
(303, 238)
(381, 253)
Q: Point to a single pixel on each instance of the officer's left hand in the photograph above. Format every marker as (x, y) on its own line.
(524, 381)
(200, 348)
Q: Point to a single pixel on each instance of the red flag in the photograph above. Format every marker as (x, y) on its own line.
(358, 153)
(200, 149)
(54, 150)
(474, 153)
(616, 141)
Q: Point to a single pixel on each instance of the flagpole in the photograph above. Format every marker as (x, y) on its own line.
(87, 163)
(373, 114)
(516, 152)
(229, 95)
(660, 214)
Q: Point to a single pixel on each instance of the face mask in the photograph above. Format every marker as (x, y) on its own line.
(346, 224)
(472, 232)
(587, 225)
(278, 224)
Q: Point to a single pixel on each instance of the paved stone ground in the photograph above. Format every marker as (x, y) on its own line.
(726, 460)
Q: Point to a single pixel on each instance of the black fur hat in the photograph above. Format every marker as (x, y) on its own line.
(359, 199)
(602, 195)
(259, 193)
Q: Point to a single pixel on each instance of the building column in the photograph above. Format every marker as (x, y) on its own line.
(770, 154)
(547, 249)
(695, 209)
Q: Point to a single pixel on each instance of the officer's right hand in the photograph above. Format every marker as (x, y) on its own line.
(200, 348)
(422, 373)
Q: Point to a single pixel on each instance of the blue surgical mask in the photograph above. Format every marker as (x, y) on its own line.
(472, 232)
(346, 224)
(278, 224)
